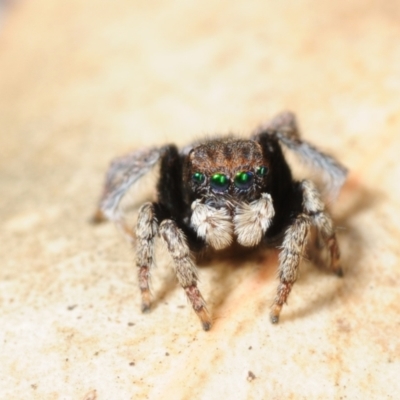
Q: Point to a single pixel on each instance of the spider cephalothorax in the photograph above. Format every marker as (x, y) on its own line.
(226, 168)
(225, 192)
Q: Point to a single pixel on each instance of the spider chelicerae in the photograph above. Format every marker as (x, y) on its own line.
(226, 192)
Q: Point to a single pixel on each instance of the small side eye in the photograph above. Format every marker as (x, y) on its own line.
(244, 179)
(262, 171)
(198, 178)
(219, 182)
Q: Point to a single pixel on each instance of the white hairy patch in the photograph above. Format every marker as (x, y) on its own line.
(252, 220)
(213, 225)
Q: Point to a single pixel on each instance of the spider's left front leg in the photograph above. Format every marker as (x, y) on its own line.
(293, 248)
(295, 240)
(185, 268)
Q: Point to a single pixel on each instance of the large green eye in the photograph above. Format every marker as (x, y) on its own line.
(262, 171)
(244, 179)
(219, 182)
(198, 177)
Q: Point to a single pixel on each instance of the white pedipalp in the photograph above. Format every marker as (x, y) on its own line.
(252, 220)
(212, 224)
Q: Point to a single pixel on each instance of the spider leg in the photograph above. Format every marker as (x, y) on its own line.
(124, 172)
(146, 230)
(294, 242)
(185, 269)
(323, 222)
(293, 248)
(284, 122)
(284, 127)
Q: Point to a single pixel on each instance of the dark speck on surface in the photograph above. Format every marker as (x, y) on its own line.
(250, 376)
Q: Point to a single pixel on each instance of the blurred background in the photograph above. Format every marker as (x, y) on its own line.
(82, 82)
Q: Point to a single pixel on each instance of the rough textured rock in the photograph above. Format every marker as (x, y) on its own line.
(82, 82)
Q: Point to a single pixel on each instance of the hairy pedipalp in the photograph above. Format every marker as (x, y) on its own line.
(252, 220)
(214, 225)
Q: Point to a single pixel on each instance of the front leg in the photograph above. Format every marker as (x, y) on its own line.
(293, 248)
(184, 268)
(295, 240)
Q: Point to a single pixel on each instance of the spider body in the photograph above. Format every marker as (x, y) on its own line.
(227, 192)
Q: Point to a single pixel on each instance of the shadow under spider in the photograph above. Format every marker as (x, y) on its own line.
(226, 266)
(356, 199)
(230, 269)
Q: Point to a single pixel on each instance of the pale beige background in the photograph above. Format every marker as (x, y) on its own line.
(83, 81)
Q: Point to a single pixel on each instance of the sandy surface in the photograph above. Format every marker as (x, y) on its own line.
(81, 82)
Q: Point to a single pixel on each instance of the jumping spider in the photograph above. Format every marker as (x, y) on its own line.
(226, 192)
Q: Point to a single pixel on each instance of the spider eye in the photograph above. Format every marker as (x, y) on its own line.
(244, 179)
(198, 177)
(219, 182)
(262, 171)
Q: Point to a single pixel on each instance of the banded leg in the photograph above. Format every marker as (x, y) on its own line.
(293, 248)
(284, 127)
(323, 222)
(184, 268)
(122, 174)
(285, 123)
(295, 239)
(146, 230)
